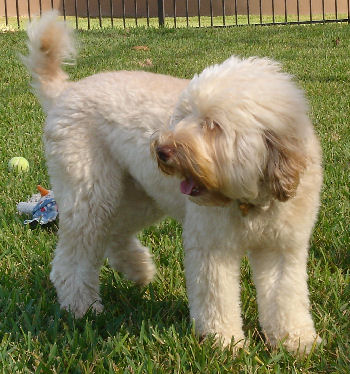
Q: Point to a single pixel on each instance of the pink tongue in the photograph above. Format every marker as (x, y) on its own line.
(187, 186)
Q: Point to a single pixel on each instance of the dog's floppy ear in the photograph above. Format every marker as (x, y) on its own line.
(285, 164)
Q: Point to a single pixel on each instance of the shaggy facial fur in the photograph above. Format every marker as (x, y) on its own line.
(239, 167)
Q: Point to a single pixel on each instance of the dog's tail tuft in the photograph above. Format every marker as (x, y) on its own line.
(50, 44)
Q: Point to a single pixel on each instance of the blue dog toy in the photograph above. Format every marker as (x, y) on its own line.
(42, 207)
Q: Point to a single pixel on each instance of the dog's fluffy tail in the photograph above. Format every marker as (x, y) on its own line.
(50, 44)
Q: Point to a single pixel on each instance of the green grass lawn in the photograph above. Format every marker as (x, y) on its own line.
(147, 330)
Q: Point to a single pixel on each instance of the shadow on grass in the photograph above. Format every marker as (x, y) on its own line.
(128, 308)
(129, 305)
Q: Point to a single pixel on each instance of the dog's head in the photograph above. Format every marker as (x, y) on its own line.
(238, 130)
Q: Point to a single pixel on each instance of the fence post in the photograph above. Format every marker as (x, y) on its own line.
(161, 13)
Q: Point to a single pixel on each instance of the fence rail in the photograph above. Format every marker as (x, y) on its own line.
(178, 13)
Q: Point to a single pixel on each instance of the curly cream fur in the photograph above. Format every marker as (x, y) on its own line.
(239, 132)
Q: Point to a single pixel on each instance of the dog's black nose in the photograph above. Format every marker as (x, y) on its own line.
(164, 153)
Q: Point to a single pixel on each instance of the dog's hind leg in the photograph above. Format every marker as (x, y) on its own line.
(124, 251)
(127, 255)
(87, 194)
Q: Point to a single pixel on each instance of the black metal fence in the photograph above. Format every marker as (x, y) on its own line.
(178, 13)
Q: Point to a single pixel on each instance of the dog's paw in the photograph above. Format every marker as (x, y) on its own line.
(297, 343)
(79, 309)
(78, 299)
(301, 344)
(227, 341)
(142, 275)
(136, 265)
(96, 307)
(233, 344)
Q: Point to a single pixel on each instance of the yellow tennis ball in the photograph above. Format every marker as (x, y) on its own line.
(18, 165)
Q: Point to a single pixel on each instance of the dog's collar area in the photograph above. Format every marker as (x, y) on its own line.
(244, 207)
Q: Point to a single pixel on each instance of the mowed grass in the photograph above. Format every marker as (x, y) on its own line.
(147, 330)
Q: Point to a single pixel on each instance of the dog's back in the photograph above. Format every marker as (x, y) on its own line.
(51, 44)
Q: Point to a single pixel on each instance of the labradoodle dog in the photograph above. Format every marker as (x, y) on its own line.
(231, 154)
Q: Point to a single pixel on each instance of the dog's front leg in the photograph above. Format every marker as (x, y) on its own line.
(212, 268)
(281, 281)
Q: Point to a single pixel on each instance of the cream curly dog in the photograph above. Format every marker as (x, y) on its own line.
(243, 169)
